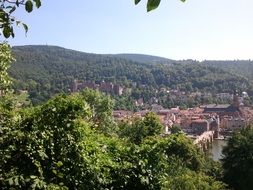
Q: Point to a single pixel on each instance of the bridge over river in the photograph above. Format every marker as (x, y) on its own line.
(204, 140)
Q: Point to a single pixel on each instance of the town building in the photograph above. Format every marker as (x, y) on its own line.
(225, 109)
(234, 123)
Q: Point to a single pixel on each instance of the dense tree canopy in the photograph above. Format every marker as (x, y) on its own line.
(5, 60)
(60, 145)
(139, 129)
(238, 160)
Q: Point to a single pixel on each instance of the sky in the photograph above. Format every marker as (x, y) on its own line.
(196, 29)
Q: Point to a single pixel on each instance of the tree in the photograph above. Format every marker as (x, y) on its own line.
(238, 160)
(140, 129)
(102, 106)
(152, 4)
(171, 162)
(7, 20)
(5, 60)
(176, 129)
(153, 124)
(35, 142)
(55, 146)
(193, 181)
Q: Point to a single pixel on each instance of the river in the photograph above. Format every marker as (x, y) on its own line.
(216, 150)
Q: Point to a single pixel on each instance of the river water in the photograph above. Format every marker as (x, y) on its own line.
(215, 151)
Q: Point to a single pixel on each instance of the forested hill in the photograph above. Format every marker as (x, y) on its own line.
(47, 70)
(238, 67)
(142, 58)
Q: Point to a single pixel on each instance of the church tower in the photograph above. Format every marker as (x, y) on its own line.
(236, 103)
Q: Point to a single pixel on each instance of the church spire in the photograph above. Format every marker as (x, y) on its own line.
(236, 102)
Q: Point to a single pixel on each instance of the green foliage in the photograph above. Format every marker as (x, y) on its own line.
(160, 161)
(238, 161)
(5, 60)
(124, 102)
(29, 6)
(102, 107)
(57, 146)
(152, 4)
(194, 181)
(134, 132)
(7, 20)
(38, 140)
(152, 124)
(140, 129)
(176, 129)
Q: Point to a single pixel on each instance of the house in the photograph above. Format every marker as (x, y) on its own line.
(225, 109)
(234, 123)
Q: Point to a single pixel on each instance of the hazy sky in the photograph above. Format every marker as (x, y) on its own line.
(197, 29)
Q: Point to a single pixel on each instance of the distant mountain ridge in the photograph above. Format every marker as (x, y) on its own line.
(141, 58)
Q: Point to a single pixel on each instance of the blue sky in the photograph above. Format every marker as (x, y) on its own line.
(197, 29)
